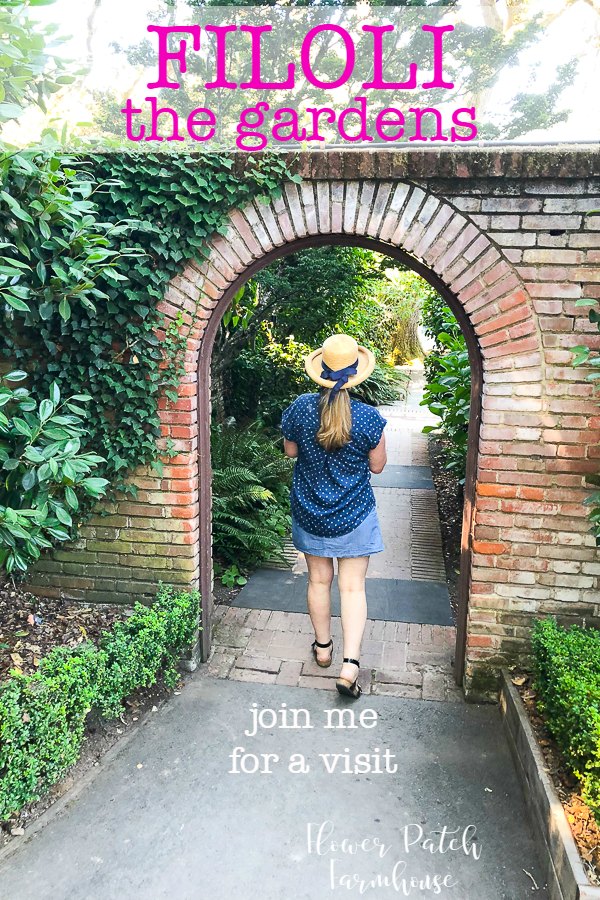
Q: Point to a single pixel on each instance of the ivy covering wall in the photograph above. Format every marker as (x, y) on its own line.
(90, 245)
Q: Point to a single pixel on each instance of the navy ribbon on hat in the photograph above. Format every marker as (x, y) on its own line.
(340, 376)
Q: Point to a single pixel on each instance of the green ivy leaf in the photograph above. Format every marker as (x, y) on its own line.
(71, 498)
(46, 410)
(64, 308)
(63, 516)
(15, 302)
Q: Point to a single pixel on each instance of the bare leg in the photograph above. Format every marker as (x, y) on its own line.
(351, 582)
(320, 576)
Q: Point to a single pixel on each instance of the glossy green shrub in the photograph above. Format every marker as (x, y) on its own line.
(42, 716)
(448, 381)
(148, 642)
(585, 356)
(266, 378)
(44, 471)
(567, 679)
(447, 394)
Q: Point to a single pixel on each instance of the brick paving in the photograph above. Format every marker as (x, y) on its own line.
(398, 659)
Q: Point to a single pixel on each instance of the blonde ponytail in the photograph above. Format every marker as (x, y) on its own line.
(336, 420)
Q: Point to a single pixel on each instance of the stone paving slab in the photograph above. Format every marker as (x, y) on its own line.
(410, 406)
(164, 817)
(414, 449)
(391, 599)
(405, 442)
(397, 658)
(404, 478)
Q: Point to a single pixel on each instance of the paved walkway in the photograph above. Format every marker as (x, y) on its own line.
(166, 818)
(409, 641)
(414, 799)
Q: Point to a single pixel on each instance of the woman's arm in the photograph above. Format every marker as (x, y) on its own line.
(290, 448)
(378, 457)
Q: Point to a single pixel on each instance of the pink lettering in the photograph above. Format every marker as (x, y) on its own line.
(256, 81)
(164, 55)
(305, 56)
(377, 81)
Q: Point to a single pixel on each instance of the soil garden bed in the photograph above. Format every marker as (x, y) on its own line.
(584, 828)
(450, 504)
(223, 594)
(30, 627)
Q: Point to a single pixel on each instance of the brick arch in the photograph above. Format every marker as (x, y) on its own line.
(428, 228)
(472, 222)
(443, 244)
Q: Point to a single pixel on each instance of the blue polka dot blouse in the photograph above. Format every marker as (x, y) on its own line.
(331, 490)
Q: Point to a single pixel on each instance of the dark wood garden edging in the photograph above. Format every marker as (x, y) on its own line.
(566, 878)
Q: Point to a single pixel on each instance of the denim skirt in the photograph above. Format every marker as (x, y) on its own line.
(364, 540)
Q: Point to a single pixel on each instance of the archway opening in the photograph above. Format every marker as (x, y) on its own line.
(398, 257)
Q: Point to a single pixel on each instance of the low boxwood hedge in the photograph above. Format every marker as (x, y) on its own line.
(567, 679)
(42, 716)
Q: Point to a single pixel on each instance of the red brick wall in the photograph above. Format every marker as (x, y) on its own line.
(506, 232)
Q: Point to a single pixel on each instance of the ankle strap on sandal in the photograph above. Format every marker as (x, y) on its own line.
(355, 661)
(328, 644)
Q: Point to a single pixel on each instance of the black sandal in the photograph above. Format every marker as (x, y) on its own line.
(349, 688)
(323, 664)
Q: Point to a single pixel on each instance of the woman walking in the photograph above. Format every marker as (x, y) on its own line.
(337, 442)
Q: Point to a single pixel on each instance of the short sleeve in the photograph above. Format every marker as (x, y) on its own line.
(289, 422)
(374, 427)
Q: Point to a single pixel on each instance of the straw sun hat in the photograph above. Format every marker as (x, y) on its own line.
(338, 352)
